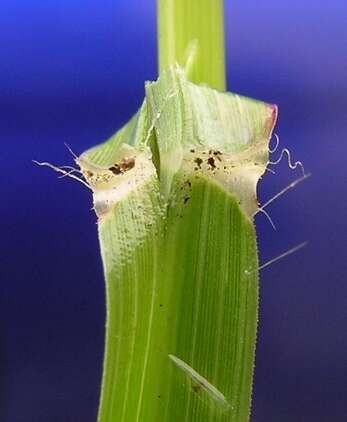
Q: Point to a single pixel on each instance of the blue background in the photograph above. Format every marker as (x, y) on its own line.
(73, 71)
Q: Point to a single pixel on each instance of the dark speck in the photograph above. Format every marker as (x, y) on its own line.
(115, 169)
(127, 164)
(198, 161)
(196, 388)
(211, 162)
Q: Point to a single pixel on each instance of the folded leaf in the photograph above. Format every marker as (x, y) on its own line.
(174, 191)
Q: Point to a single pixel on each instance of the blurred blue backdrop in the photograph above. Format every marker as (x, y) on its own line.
(73, 71)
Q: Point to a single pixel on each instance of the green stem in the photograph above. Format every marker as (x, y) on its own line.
(184, 25)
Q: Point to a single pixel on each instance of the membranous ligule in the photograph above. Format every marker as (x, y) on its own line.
(238, 173)
(113, 181)
(131, 167)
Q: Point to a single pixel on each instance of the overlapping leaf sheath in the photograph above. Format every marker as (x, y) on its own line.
(174, 191)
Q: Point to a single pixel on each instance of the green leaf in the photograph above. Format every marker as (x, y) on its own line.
(174, 191)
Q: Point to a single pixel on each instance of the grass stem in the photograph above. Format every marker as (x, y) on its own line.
(191, 33)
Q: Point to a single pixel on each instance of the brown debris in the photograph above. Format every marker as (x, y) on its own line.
(211, 162)
(198, 161)
(125, 165)
(116, 169)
